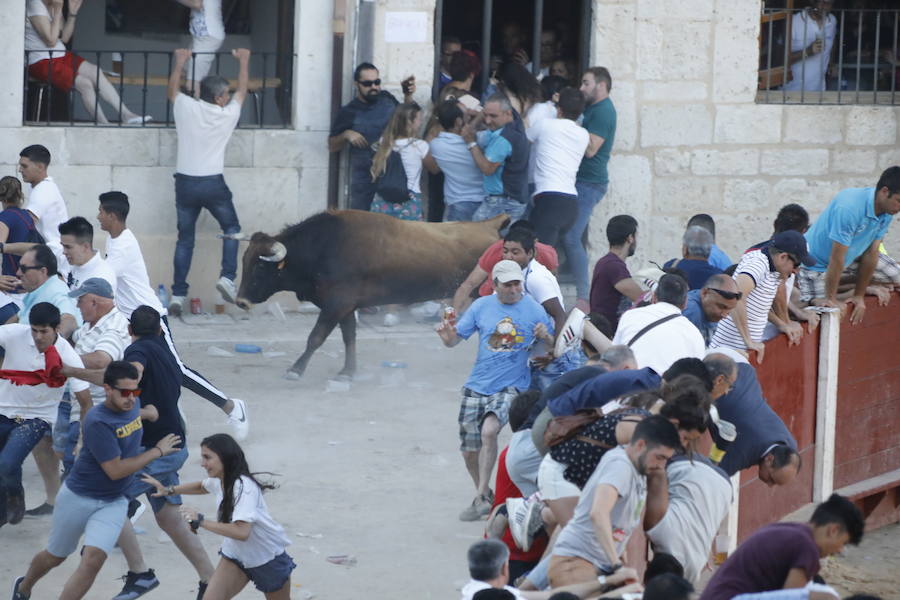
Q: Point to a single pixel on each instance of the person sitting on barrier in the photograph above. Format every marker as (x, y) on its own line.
(786, 555)
(762, 437)
(46, 36)
(845, 242)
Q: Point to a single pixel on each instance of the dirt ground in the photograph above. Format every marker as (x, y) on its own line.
(373, 473)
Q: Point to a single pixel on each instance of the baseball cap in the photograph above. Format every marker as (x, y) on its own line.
(506, 271)
(94, 285)
(794, 244)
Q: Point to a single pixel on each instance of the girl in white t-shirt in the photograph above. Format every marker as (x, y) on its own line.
(254, 544)
(207, 34)
(400, 136)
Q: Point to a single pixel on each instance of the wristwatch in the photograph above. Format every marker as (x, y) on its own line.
(170, 491)
(471, 145)
(195, 524)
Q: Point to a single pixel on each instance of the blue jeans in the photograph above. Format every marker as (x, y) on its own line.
(497, 205)
(66, 433)
(191, 195)
(17, 439)
(165, 470)
(589, 195)
(460, 211)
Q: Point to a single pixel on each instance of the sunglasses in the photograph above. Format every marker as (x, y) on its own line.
(26, 268)
(794, 260)
(127, 393)
(369, 82)
(727, 295)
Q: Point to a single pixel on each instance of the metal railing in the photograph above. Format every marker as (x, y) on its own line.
(137, 81)
(853, 59)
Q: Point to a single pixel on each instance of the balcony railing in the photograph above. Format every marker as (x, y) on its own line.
(853, 59)
(139, 80)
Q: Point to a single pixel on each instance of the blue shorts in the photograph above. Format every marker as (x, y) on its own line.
(165, 470)
(100, 521)
(269, 577)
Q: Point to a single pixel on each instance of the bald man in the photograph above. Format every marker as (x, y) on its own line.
(711, 303)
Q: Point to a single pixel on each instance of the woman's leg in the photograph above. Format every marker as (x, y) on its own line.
(283, 594)
(107, 92)
(226, 582)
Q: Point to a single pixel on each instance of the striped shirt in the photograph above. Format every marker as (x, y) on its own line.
(757, 265)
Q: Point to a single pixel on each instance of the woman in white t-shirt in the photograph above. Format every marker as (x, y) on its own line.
(254, 544)
(400, 136)
(46, 33)
(207, 35)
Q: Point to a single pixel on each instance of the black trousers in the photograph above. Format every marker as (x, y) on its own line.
(552, 215)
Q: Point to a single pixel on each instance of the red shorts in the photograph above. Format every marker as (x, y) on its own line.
(59, 72)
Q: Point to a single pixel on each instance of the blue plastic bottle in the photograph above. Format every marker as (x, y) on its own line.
(163, 296)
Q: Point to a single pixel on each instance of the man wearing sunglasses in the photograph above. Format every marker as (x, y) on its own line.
(359, 124)
(710, 304)
(759, 276)
(92, 501)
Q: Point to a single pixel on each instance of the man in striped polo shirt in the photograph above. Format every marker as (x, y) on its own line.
(758, 276)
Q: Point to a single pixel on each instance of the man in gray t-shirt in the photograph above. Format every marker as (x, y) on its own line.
(611, 504)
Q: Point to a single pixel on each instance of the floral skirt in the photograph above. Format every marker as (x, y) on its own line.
(411, 210)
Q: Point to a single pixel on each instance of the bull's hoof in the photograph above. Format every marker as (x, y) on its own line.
(292, 375)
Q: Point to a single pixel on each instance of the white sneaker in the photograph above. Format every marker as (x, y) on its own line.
(176, 305)
(524, 520)
(227, 288)
(239, 419)
(391, 319)
(570, 336)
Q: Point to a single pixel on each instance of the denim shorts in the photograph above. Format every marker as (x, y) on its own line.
(269, 577)
(165, 470)
(99, 520)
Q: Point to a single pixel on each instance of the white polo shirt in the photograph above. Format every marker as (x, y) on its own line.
(123, 255)
(540, 283)
(203, 133)
(665, 343)
(46, 203)
(33, 401)
(96, 267)
(110, 335)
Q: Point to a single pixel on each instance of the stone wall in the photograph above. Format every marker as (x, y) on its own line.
(691, 137)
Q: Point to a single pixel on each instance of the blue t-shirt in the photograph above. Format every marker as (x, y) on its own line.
(510, 147)
(160, 385)
(694, 313)
(849, 220)
(463, 181)
(758, 426)
(697, 271)
(718, 258)
(56, 292)
(506, 334)
(596, 392)
(19, 223)
(107, 435)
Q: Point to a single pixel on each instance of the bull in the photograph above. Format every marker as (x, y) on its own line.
(343, 260)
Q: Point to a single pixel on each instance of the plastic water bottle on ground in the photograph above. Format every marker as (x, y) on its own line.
(393, 373)
(163, 295)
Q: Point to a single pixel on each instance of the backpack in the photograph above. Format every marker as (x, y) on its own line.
(392, 184)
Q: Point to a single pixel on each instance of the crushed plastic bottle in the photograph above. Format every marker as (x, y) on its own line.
(163, 295)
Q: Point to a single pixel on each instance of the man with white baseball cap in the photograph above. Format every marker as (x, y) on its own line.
(508, 323)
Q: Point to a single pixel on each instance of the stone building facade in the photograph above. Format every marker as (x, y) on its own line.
(691, 136)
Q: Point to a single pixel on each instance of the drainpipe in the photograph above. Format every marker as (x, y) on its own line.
(338, 29)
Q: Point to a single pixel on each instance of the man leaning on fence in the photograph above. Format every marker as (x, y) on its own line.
(204, 127)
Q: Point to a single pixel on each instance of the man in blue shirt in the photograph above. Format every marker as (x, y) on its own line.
(501, 154)
(463, 188)
(709, 305)
(695, 248)
(92, 501)
(851, 228)
(38, 273)
(508, 323)
(717, 257)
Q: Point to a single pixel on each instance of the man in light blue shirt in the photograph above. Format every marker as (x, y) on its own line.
(851, 229)
(463, 189)
(709, 305)
(717, 257)
(37, 272)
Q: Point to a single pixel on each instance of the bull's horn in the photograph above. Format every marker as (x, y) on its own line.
(278, 253)
(241, 237)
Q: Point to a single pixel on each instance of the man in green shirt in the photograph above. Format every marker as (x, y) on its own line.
(600, 120)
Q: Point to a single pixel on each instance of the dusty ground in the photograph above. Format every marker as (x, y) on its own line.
(373, 472)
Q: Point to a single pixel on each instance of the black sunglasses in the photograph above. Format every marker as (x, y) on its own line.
(26, 268)
(369, 82)
(727, 295)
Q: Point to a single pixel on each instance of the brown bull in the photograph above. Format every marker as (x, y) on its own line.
(348, 259)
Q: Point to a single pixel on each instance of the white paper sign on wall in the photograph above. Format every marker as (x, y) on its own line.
(405, 27)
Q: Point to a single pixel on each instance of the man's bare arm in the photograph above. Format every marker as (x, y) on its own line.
(181, 57)
(596, 142)
(605, 497)
(243, 57)
(462, 298)
(629, 288)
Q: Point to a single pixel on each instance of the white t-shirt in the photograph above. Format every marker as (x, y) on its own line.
(208, 21)
(110, 335)
(537, 113)
(203, 133)
(412, 151)
(665, 343)
(474, 586)
(133, 289)
(33, 401)
(33, 41)
(96, 267)
(267, 538)
(756, 265)
(540, 283)
(46, 203)
(699, 499)
(809, 74)
(558, 146)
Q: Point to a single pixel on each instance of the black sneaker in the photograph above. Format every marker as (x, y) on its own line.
(17, 595)
(201, 589)
(137, 584)
(15, 509)
(40, 511)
